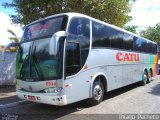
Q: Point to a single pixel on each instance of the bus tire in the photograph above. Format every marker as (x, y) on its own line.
(97, 93)
(145, 78)
(149, 76)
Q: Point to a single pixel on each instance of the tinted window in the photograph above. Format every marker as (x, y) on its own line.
(140, 45)
(117, 39)
(101, 35)
(79, 32)
(154, 50)
(105, 36)
(149, 47)
(35, 62)
(72, 58)
(128, 41)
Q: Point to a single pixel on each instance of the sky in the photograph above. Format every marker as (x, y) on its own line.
(6, 23)
(144, 13)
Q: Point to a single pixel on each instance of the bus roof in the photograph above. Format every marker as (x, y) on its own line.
(73, 14)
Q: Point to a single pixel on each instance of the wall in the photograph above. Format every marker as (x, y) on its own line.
(8, 69)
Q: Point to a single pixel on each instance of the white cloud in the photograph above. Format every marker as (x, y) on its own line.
(6, 23)
(145, 13)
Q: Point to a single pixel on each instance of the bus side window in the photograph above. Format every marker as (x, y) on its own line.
(117, 39)
(140, 45)
(128, 42)
(79, 32)
(72, 58)
(154, 48)
(101, 35)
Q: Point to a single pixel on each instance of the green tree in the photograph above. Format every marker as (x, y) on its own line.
(111, 11)
(152, 33)
(14, 38)
(132, 28)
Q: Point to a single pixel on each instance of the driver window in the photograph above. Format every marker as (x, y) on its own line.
(72, 58)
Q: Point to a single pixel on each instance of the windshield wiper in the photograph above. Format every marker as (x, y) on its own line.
(28, 59)
(25, 60)
(36, 64)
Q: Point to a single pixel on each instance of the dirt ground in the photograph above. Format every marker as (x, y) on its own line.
(7, 91)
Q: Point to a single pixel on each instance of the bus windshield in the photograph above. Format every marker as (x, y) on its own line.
(34, 63)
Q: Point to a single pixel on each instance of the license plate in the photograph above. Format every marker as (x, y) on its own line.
(31, 97)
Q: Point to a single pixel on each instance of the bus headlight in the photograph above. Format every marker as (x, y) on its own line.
(53, 90)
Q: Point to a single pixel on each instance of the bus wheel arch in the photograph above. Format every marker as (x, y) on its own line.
(151, 72)
(100, 82)
(150, 75)
(144, 77)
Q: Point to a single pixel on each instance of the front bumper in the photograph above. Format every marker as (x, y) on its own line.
(46, 98)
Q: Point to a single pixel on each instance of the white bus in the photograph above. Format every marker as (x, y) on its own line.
(70, 57)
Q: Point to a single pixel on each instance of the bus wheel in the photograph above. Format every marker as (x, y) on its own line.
(97, 93)
(149, 76)
(145, 78)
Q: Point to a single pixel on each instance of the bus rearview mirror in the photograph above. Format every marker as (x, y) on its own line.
(53, 46)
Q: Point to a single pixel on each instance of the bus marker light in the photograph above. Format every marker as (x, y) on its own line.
(88, 81)
(68, 85)
(91, 76)
(85, 67)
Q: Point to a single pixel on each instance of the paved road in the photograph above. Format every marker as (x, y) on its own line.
(8, 95)
(131, 99)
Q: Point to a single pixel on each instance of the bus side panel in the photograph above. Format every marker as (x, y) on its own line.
(78, 87)
(131, 74)
(130, 67)
(154, 64)
(105, 60)
(114, 76)
(143, 63)
(149, 61)
(98, 61)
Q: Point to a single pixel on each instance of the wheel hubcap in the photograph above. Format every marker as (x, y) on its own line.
(97, 92)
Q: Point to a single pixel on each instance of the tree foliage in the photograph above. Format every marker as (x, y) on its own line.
(14, 38)
(132, 28)
(152, 33)
(111, 11)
